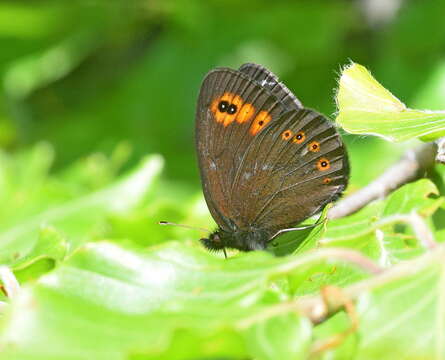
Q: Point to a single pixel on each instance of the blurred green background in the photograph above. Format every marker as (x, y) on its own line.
(88, 75)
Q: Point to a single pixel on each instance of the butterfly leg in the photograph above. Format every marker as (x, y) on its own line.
(304, 227)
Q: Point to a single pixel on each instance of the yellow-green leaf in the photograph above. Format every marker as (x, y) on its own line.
(366, 107)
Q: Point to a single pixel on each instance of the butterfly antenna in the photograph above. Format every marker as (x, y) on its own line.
(184, 226)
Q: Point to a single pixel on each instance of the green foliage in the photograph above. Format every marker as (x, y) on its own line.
(413, 298)
(128, 297)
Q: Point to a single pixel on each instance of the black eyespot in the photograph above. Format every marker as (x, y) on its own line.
(314, 146)
(299, 137)
(323, 164)
(260, 123)
(223, 105)
(232, 109)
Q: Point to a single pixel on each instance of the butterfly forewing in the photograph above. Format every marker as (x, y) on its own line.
(222, 139)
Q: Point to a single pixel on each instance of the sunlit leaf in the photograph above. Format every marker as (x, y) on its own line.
(404, 317)
(384, 229)
(276, 337)
(366, 107)
(106, 302)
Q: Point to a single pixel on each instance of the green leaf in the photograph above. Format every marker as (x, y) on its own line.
(384, 229)
(50, 243)
(106, 302)
(267, 340)
(296, 240)
(404, 315)
(51, 247)
(400, 313)
(76, 218)
(366, 107)
(421, 196)
(300, 240)
(331, 328)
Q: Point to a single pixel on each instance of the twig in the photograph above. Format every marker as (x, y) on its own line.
(335, 299)
(440, 157)
(317, 309)
(412, 166)
(313, 307)
(422, 231)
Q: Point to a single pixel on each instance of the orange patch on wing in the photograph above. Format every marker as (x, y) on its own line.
(327, 181)
(245, 113)
(314, 146)
(260, 121)
(214, 107)
(299, 137)
(233, 102)
(323, 164)
(286, 134)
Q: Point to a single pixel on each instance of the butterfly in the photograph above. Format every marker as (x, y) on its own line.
(266, 162)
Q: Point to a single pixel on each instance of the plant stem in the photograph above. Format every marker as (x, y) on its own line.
(412, 166)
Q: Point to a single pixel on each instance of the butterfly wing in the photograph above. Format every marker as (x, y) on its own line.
(256, 170)
(222, 139)
(268, 80)
(295, 167)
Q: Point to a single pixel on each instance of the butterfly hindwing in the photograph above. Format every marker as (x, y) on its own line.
(268, 80)
(283, 180)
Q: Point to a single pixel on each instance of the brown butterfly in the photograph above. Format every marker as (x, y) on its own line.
(266, 162)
